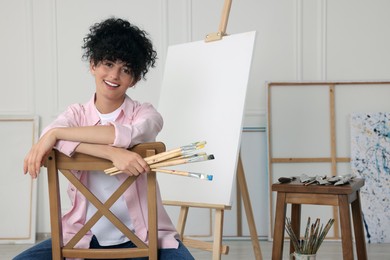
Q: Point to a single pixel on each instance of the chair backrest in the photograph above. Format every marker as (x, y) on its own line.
(58, 162)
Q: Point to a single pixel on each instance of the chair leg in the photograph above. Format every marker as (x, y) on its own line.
(152, 211)
(280, 219)
(55, 208)
(358, 228)
(346, 230)
(152, 216)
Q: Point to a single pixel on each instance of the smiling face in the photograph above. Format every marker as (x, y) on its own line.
(112, 79)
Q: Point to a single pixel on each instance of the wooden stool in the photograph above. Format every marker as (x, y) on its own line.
(296, 194)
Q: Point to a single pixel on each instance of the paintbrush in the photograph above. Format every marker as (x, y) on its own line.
(174, 161)
(175, 152)
(186, 155)
(191, 159)
(201, 176)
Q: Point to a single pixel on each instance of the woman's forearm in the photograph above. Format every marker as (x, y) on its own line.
(126, 161)
(86, 134)
(98, 136)
(97, 150)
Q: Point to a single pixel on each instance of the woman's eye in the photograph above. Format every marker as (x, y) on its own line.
(108, 64)
(126, 70)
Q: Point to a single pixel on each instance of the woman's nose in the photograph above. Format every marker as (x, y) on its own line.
(114, 73)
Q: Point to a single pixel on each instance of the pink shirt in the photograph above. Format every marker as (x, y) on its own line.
(136, 123)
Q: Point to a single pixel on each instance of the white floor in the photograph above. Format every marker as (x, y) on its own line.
(241, 249)
(329, 250)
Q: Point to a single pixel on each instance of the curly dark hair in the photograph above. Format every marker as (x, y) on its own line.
(116, 39)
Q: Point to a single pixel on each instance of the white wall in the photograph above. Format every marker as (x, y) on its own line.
(42, 72)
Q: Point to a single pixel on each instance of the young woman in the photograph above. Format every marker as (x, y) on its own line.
(119, 54)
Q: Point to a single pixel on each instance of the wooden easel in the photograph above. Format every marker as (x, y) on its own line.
(216, 246)
(332, 159)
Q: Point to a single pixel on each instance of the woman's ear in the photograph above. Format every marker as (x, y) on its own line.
(135, 81)
(92, 67)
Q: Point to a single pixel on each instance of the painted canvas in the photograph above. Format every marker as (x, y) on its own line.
(370, 157)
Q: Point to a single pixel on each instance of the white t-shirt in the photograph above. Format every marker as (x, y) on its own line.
(102, 186)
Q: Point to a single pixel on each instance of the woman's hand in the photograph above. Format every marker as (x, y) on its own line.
(129, 162)
(39, 151)
(124, 160)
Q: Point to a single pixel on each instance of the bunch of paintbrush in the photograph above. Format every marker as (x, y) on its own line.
(182, 155)
(314, 236)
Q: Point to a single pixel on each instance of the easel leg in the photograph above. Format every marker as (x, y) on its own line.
(218, 228)
(239, 209)
(248, 209)
(216, 246)
(182, 221)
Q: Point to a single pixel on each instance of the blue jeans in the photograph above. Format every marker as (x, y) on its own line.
(42, 251)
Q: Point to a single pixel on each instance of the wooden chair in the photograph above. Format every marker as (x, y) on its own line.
(343, 196)
(59, 162)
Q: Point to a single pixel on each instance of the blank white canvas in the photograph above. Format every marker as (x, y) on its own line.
(202, 99)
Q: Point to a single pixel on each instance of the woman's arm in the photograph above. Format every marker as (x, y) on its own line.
(144, 126)
(126, 161)
(103, 135)
(66, 135)
(140, 126)
(100, 134)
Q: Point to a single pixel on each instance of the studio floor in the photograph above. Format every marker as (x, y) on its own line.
(242, 249)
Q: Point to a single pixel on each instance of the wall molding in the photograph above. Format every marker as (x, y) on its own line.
(166, 37)
(189, 12)
(27, 216)
(29, 60)
(54, 30)
(255, 118)
(298, 29)
(322, 39)
(30, 44)
(164, 30)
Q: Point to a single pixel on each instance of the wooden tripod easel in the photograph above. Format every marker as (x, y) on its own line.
(216, 246)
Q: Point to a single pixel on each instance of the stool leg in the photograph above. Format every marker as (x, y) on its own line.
(295, 222)
(280, 219)
(358, 228)
(346, 231)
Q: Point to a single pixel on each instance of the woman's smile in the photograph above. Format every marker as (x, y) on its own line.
(111, 84)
